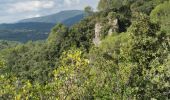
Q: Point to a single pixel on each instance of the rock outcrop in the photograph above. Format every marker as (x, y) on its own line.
(98, 28)
(114, 27)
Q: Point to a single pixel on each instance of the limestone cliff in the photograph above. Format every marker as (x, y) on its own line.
(98, 28)
(114, 27)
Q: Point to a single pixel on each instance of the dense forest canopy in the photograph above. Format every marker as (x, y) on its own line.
(131, 60)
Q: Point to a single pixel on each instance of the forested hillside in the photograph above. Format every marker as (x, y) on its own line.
(7, 44)
(24, 32)
(120, 52)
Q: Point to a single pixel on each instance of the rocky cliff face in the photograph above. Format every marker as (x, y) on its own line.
(98, 28)
(114, 27)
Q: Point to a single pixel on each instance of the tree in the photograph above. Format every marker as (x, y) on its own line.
(1, 63)
(149, 51)
(88, 10)
(144, 6)
(71, 76)
(111, 62)
(109, 4)
(161, 14)
(55, 42)
(131, 65)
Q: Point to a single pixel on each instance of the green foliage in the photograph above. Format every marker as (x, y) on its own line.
(14, 89)
(111, 63)
(1, 64)
(55, 40)
(69, 82)
(133, 65)
(71, 76)
(149, 50)
(145, 6)
(81, 35)
(7, 44)
(161, 14)
(109, 4)
(33, 61)
(88, 10)
(58, 32)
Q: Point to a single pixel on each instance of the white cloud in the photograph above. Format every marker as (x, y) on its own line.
(71, 2)
(37, 15)
(30, 6)
(31, 16)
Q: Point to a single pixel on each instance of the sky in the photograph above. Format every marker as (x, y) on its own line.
(14, 10)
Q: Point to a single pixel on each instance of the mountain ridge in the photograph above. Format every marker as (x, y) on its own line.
(54, 18)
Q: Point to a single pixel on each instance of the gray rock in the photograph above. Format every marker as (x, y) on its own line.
(96, 39)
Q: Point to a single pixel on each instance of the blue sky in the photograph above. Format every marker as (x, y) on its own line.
(14, 10)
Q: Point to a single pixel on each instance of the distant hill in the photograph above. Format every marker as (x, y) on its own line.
(73, 20)
(56, 18)
(24, 32)
(27, 26)
(38, 28)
